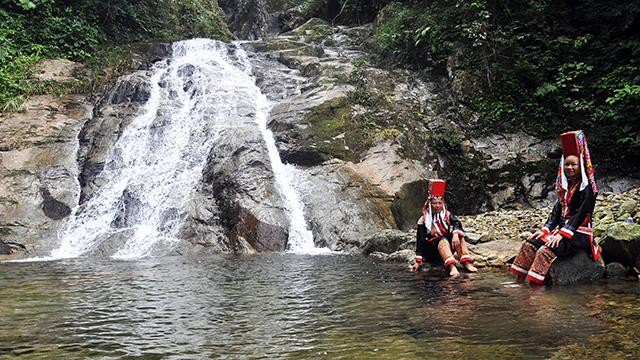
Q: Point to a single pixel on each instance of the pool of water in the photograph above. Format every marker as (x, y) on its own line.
(281, 306)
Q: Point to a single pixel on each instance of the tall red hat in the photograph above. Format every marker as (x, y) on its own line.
(575, 143)
(436, 188)
(570, 144)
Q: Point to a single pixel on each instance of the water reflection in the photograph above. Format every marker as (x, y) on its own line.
(280, 306)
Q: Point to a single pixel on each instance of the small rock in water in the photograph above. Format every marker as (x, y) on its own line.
(615, 270)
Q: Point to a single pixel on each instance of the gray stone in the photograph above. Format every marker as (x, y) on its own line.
(615, 270)
(250, 20)
(579, 268)
(4, 249)
(377, 255)
(621, 243)
(471, 238)
(385, 241)
(402, 256)
(627, 207)
(488, 236)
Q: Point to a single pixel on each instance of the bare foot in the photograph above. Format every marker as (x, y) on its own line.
(470, 268)
(453, 270)
(520, 279)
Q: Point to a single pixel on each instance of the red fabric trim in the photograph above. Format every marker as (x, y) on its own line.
(537, 281)
(449, 261)
(517, 272)
(566, 233)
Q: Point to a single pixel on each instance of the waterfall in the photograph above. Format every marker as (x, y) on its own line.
(160, 156)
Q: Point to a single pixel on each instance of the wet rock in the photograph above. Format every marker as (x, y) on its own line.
(621, 243)
(386, 241)
(496, 253)
(127, 214)
(38, 152)
(380, 256)
(238, 176)
(4, 249)
(130, 88)
(579, 268)
(402, 256)
(408, 202)
(615, 270)
(471, 238)
(342, 208)
(52, 208)
(251, 20)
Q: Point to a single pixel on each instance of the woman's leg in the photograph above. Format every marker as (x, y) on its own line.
(465, 257)
(543, 259)
(523, 261)
(444, 249)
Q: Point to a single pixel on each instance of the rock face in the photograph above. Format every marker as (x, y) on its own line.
(579, 268)
(251, 20)
(363, 140)
(387, 241)
(39, 171)
(239, 177)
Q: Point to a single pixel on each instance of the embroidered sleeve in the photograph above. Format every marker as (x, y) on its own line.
(554, 219)
(457, 225)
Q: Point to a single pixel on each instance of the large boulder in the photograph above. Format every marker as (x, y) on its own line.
(386, 241)
(494, 253)
(578, 268)
(621, 243)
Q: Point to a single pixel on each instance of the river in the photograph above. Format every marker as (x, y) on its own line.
(285, 306)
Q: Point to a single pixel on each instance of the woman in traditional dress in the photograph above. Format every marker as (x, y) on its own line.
(434, 230)
(576, 188)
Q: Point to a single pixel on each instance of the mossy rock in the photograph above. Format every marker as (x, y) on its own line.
(334, 133)
(621, 243)
(408, 202)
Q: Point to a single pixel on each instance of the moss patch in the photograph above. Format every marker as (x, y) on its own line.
(335, 133)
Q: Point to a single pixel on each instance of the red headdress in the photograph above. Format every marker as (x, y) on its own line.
(436, 191)
(574, 143)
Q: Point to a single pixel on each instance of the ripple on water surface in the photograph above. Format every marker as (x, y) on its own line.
(279, 306)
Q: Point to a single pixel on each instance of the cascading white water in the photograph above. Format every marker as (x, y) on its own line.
(300, 238)
(160, 156)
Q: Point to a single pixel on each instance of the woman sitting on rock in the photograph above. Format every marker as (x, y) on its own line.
(576, 188)
(434, 231)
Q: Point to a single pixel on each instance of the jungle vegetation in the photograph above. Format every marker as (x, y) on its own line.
(541, 66)
(99, 34)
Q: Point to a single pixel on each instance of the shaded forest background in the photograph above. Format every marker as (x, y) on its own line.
(543, 67)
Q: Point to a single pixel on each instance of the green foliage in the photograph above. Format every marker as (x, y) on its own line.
(465, 176)
(34, 29)
(412, 38)
(540, 66)
(349, 12)
(360, 95)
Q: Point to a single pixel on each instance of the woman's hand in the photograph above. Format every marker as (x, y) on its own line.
(415, 266)
(455, 241)
(555, 241)
(535, 235)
